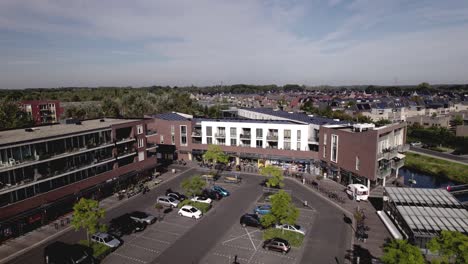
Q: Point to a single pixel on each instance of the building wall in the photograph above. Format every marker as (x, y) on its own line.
(164, 134)
(429, 121)
(462, 131)
(34, 107)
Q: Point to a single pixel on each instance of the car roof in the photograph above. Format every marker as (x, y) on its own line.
(187, 207)
(280, 240)
(163, 196)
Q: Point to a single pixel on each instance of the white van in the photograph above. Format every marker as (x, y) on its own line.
(359, 191)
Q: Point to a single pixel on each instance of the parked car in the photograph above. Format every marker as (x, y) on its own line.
(263, 209)
(213, 195)
(125, 225)
(60, 253)
(232, 179)
(293, 228)
(190, 211)
(167, 201)
(208, 177)
(277, 244)
(416, 144)
(221, 190)
(201, 199)
(142, 217)
(250, 220)
(106, 239)
(357, 191)
(175, 195)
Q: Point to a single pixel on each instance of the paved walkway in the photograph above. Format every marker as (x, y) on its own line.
(22, 244)
(440, 155)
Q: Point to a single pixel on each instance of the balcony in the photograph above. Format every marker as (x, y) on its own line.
(151, 145)
(245, 136)
(384, 172)
(313, 140)
(403, 148)
(150, 132)
(220, 135)
(259, 136)
(196, 134)
(287, 138)
(272, 137)
(398, 164)
(124, 140)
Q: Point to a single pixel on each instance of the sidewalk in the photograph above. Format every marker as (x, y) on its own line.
(20, 245)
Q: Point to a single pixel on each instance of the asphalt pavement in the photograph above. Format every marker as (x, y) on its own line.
(447, 156)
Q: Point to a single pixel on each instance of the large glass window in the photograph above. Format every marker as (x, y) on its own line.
(141, 142)
(233, 142)
(287, 134)
(183, 135)
(183, 129)
(172, 129)
(209, 131)
(287, 145)
(259, 132)
(298, 135)
(140, 129)
(209, 140)
(259, 144)
(334, 150)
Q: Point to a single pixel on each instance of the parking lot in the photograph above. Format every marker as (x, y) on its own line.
(246, 243)
(146, 246)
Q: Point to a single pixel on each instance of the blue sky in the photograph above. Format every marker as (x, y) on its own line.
(54, 43)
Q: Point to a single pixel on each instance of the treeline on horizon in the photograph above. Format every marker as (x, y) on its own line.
(77, 94)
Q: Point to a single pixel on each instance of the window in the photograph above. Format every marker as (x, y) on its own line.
(334, 148)
(141, 156)
(221, 141)
(209, 140)
(209, 131)
(287, 145)
(183, 135)
(172, 130)
(259, 144)
(141, 142)
(324, 151)
(233, 142)
(325, 138)
(298, 135)
(287, 135)
(298, 146)
(233, 132)
(161, 139)
(140, 129)
(172, 139)
(357, 163)
(259, 132)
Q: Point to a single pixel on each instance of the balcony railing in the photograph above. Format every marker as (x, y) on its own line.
(196, 134)
(403, 148)
(245, 136)
(398, 164)
(272, 137)
(220, 135)
(150, 132)
(383, 172)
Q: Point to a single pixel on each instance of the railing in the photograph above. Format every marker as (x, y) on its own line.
(403, 148)
(287, 138)
(259, 136)
(398, 164)
(384, 172)
(150, 145)
(150, 132)
(313, 139)
(272, 137)
(196, 133)
(220, 135)
(245, 136)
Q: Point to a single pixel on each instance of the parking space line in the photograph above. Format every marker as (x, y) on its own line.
(229, 240)
(183, 226)
(251, 241)
(130, 258)
(238, 247)
(256, 250)
(144, 248)
(163, 231)
(154, 239)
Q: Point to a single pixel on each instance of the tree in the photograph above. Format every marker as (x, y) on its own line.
(110, 108)
(282, 210)
(86, 214)
(215, 154)
(458, 120)
(11, 115)
(399, 251)
(275, 175)
(383, 122)
(193, 186)
(451, 245)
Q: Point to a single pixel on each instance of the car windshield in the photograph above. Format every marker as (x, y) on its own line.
(220, 188)
(193, 210)
(297, 227)
(140, 214)
(171, 199)
(107, 238)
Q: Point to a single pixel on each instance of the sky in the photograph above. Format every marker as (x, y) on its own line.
(57, 43)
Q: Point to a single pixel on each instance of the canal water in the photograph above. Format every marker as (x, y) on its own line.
(428, 181)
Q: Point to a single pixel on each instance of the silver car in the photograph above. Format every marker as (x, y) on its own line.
(106, 239)
(142, 217)
(167, 201)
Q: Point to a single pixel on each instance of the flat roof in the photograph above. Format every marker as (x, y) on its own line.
(263, 121)
(422, 197)
(431, 220)
(300, 117)
(10, 137)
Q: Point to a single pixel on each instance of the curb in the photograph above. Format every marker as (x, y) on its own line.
(24, 250)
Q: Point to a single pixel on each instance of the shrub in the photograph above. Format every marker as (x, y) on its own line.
(204, 207)
(294, 238)
(100, 251)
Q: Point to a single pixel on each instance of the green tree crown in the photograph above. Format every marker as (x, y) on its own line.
(401, 252)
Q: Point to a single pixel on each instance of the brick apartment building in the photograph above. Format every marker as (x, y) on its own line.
(44, 170)
(43, 111)
(298, 142)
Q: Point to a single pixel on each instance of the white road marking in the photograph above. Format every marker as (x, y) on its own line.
(229, 240)
(251, 241)
(144, 248)
(154, 239)
(130, 258)
(231, 258)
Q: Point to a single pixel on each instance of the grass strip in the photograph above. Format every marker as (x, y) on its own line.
(437, 167)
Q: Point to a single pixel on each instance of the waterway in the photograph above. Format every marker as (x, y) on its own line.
(428, 181)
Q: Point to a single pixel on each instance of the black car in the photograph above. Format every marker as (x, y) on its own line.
(277, 244)
(175, 195)
(125, 225)
(250, 220)
(62, 253)
(213, 195)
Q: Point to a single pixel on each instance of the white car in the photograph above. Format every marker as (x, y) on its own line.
(190, 211)
(293, 228)
(106, 239)
(201, 199)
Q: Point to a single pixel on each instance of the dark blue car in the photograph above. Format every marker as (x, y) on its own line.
(263, 209)
(220, 190)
